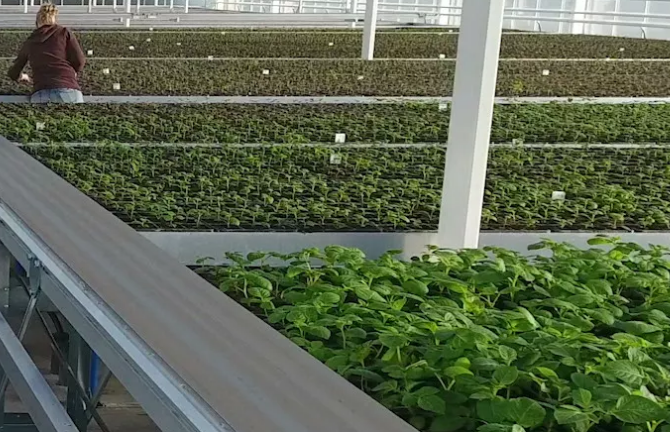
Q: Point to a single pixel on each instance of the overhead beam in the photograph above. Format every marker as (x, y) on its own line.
(470, 123)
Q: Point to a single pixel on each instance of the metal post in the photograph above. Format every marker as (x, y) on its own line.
(470, 123)
(185, 6)
(370, 29)
(138, 6)
(114, 5)
(5, 268)
(647, 4)
(171, 5)
(353, 7)
(128, 6)
(25, 6)
(90, 6)
(579, 27)
(561, 25)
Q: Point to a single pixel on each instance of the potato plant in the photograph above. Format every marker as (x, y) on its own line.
(293, 188)
(294, 124)
(480, 340)
(350, 77)
(345, 44)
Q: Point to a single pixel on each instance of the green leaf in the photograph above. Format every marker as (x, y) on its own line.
(494, 428)
(493, 410)
(625, 371)
(531, 319)
(432, 403)
(583, 381)
(448, 423)
(505, 375)
(568, 416)
(319, 331)
(416, 287)
(393, 341)
(526, 412)
(547, 373)
(582, 397)
(638, 409)
(637, 328)
(329, 298)
(454, 371)
(507, 354)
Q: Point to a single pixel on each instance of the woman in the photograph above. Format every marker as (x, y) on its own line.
(55, 58)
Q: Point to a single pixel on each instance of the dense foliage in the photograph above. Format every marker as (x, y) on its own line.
(360, 78)
(371, 189)
(481, 340)
(392, 123)
(390, 44)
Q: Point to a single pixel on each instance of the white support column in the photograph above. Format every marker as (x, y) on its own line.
(129, 5)
(114, 5)
(171, 5)
(185, 6)
(139, 2)
(353, 7)
(370, 29)
(579, 27)
(647, 5)
(90, 6)
(470, 123)
(561, 25)
(25, 6)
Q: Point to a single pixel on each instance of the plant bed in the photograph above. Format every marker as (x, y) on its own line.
(483, 340)
(285, 188)
(342, 44)
(359, 78)
(293, 124)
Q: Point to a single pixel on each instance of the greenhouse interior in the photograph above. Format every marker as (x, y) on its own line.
(335, 215)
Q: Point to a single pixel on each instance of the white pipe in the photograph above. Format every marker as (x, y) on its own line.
(25, 6)
(128, 6)
(369, 30)
(138, 6)
(186, 6)
(90, 6)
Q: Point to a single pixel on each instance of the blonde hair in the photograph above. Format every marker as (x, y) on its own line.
(46, 15)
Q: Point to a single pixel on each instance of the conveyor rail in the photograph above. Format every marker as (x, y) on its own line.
(194, 359)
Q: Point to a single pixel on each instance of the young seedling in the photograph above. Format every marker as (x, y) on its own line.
(340, 138)
(558, 195)
(335, 159)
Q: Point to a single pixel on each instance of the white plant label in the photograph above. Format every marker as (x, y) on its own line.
(210, 58)
(360, 77)
(148, 39)
(151, 29)
(545, 72)
(442, 56)
(132, 48)
(116, 86)
(335, 159)
(40, 126)
(266, 71)
(330, 44)
(89, 52)
(607, 59)
(517, 141)
(622, 49)
(442, 106)
(340, 138)
(105, 71)
(558, 195)
(178, 43)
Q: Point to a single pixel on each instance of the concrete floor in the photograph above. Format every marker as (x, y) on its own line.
(118, 409)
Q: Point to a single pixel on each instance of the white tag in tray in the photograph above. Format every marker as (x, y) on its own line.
(210, 58)
(89, 52)
(335, 159)
(545, 72)
(442, 106)
(266, 71)
(558, 195)
(360, 77)
(330, 44)
(340, 138)
(116, 86)
(105, 71)
(132, 48)
(442, 56)
(40, 126)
